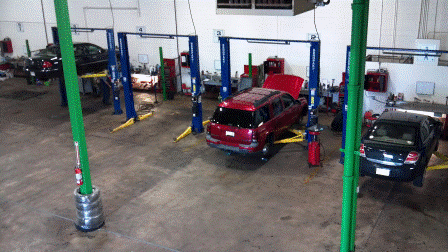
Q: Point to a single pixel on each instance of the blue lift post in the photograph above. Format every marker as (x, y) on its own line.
(314, 98)
(112, 68)
(197, 126)
(126, 76)
(428, 53)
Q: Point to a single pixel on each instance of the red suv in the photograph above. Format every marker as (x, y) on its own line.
(251, 121)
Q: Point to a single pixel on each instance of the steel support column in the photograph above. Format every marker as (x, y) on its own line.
(226, 86)
(74, 101)
(113, 71)
(313, 85)
(126, 76)
(354, 111)
(196, 125)
(344, 103)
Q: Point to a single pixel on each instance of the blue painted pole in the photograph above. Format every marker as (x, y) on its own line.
(126, 76)
(225, 67)
(344, 104)
(113, 71)
(313, 86)
(196, 125)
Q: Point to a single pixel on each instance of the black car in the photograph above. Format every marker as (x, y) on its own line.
(47, 64)
(399, 146)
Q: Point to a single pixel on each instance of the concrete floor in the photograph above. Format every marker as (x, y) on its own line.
(164, 196)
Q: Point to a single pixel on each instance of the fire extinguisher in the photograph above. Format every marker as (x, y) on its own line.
(78, 176)
(78, 172)
(314, 145)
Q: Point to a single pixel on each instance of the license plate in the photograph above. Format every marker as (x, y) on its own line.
(230, 133)
(32, 74)
(383, 172)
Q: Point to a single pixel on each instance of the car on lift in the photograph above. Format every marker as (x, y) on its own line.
(47, 64)
(399, 146)
(250, 121)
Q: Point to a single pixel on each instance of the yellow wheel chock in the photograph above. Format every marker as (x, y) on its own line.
(295, 139)
(444, 165)
(188, 132)
(132, 121)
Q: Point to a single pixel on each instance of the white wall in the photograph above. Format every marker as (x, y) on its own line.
(333, 23)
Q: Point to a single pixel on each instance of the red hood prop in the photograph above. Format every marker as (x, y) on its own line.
(283, 82)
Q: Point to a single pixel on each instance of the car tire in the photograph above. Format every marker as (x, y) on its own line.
(418, 181)
(267, 148)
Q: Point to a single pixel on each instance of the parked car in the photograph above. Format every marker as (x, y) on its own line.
(46, 63)
(399, 146)
(252, 120)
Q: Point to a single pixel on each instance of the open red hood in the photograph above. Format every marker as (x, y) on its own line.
(283, 82)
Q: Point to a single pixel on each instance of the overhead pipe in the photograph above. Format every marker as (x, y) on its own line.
(355, 97)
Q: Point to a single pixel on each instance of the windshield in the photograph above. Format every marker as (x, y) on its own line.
(393, 133)
(49, 51)
(234, 117)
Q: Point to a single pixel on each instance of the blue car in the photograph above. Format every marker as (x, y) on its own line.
(399, 146)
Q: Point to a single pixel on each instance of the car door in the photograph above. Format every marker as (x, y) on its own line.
(96, 58)
(278, 116)
(80, 59)
(263, 122)
(290, 111)
(426, 140)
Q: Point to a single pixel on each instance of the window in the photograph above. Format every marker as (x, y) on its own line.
(91, 49)
(79, 50)
(288, 101)
(277, 107)
(234, 117)
(393, 133)
(424, 131)
(262, 116)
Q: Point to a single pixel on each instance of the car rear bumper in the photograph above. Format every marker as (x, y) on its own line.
(43, 75)
(233, 147)
(398, 173)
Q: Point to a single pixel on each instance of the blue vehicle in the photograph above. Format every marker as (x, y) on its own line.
(399, 146)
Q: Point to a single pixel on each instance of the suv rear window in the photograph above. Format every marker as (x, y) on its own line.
(234, 117)
(393, 133)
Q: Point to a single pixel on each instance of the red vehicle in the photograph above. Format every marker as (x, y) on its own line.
(252, 120)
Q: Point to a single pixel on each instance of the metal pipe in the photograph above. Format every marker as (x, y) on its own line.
(250, 65)
(179, 59)
(162, 73)
(45, 22)
(270, 40)
(155, 35)
(71, 81)
(355, 88)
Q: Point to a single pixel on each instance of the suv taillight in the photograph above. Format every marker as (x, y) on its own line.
(254, 137)
(208, 130)
(362, 152)
(412, 157)
(47, 64)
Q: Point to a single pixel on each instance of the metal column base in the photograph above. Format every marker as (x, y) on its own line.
(89, 210)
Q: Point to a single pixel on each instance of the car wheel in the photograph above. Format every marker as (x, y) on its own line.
(267, 149)
(418, 181)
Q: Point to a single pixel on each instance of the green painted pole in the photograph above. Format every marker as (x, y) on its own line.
(28, 52)
(354, 111)
(71, 84)
(359, 125)
(162, 73)
(250, 65)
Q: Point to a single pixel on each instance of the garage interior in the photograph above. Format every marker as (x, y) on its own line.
(161, 195)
